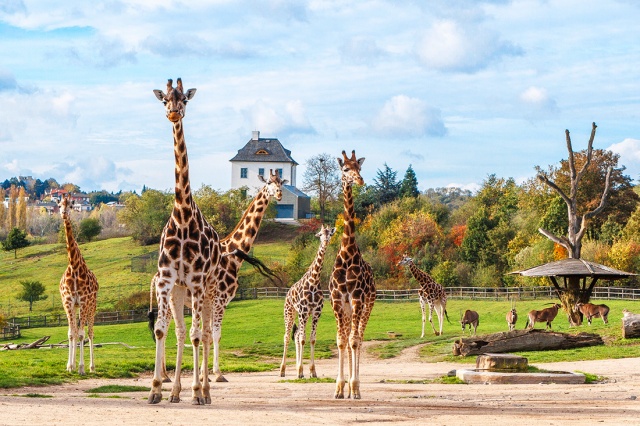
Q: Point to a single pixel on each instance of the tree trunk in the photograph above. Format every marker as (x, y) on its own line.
(630, 325)
(524, 340)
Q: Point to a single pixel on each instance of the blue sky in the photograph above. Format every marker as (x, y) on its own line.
(458, 90)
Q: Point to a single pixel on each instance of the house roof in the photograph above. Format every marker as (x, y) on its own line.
(264, 150)
(574, 267)
(295, 191)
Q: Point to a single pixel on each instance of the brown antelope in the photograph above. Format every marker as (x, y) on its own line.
(590, 310)
(546, 315)
(472, 318)
(512, 316)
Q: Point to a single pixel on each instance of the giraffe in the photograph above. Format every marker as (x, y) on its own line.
(78, 290)
(430, 293)
(352, 289)
(218, 295)
(305, 299)
(188, 253)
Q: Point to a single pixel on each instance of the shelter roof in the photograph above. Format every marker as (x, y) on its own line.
(574, 268)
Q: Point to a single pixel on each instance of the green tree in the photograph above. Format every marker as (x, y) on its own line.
(409, 185)
(16, 239)
(32, 291)
(146, 215)
(386, 185)
(89, 228)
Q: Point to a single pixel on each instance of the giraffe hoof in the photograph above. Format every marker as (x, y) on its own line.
(339, 396)
(154, 398)
(166, 380)
(221, 379)
(197, 400)
(207, 400)
(174, 398)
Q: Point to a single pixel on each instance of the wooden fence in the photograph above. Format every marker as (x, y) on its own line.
(472, 293)
(10, 332)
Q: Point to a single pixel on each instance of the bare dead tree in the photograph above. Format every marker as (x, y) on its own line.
(572, 242)
(577, 224)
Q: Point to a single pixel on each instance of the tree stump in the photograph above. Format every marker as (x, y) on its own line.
(630, 325)
(502, 362)
(524, 340)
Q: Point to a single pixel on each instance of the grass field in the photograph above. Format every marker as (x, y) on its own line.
(253, 332)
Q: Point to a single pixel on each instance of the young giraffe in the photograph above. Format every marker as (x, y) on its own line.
(188, 254)
(218, 296)
(78, 290)
(430, 293)
(352, 289)
(306, 299)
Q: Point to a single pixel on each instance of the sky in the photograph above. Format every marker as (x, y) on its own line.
(458, 90)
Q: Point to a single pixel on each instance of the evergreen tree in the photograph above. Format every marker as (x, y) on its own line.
(409, 185)
(386, 185)
(32, 291)
(16, 239)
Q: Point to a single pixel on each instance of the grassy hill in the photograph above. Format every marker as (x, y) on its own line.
(110, 260)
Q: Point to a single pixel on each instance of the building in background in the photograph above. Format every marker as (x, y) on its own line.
(257, 158)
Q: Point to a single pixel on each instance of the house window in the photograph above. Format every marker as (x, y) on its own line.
(279, 171)
(261, 172)
(243, 173)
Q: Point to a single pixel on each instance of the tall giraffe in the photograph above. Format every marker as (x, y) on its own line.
(430, 293)
(78, 290)
(218, 295)
(352, 289)
(188, 254)
(305, 298)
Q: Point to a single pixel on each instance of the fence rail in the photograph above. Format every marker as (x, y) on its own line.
(518, 293)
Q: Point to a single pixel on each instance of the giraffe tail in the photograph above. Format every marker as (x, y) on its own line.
(293, 331)
(447, 315)
(258, 265)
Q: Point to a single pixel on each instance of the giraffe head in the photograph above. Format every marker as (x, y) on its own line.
(405, 259)
(325, 234)
(274, 184)
(175, 100)
(351, 168)
(65, 205)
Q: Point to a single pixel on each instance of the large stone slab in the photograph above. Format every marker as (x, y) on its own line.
(502, 362)
(494, 377)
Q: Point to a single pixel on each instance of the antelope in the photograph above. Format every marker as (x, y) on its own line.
(512, 316)
(546, 315)
(471, 318)
(590, 310)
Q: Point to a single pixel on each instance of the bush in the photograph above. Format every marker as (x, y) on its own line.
(137, 301)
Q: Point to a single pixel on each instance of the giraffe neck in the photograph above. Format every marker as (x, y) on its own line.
(349, 231)
(423, 278)
(73, 251)
(316, 266)
(246, 230)
(183, 187)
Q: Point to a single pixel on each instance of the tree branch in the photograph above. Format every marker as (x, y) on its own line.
(555, 187)
(603, 199)
(563, 241)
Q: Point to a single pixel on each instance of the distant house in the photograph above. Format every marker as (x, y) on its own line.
(257, 158)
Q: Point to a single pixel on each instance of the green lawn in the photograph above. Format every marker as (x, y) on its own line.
(252, 338)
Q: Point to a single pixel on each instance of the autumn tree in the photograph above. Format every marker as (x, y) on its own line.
(3, 211)
(21, 209)
(11, 213)
(322, 178)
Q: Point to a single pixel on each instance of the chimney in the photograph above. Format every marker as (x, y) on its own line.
(255, 135)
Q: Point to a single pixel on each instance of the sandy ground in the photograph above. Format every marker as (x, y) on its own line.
(261, 398)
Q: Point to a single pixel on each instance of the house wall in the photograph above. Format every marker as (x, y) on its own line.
(252, 181)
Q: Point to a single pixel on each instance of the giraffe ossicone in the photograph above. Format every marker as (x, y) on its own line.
(305, 299)
(79, 292)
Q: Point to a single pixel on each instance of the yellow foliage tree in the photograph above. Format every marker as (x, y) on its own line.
(21, 210)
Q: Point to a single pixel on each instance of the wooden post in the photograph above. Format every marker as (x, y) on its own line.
(630, 324)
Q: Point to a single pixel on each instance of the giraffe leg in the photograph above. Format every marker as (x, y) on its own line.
(289, 319)
(299, 340)
(360, 323)
(177, 303)
(431, 320)
(312, 342)
(423, 308)
(81, 348)
(90, 319)
(72, 335)
(195, 333)
(206, 348)
(160, 331)
(342, 313)
(218, 313)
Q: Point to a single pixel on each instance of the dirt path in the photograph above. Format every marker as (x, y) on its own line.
(261, 398)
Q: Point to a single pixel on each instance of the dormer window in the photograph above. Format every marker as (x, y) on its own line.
(262, 152)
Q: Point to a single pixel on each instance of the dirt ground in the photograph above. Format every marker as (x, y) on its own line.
(261, 398)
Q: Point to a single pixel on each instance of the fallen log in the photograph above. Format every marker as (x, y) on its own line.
(630, 324)
(524, 340)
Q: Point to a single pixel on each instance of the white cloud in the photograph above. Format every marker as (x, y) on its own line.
(274, 119)
(402, 116)
(629, 151)
(360, 51)
(537, 101)
(452, 46)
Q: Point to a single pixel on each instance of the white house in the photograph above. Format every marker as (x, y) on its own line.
(257, 158)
